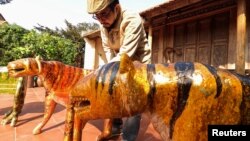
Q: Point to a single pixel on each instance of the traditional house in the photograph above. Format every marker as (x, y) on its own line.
(2, 20)
(215, 32)
(94, 54)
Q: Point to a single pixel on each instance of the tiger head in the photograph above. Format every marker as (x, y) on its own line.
(24, 67)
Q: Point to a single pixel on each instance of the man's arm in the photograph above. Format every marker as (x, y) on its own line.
(133, 32)
(107, 50)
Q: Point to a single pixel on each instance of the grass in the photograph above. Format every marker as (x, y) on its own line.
(7, 84)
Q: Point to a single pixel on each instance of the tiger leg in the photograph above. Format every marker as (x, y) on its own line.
(69, 125)
(78, 126)
(50, 105)
(12, 115)
(111, 130)
(107, 129)
(161, 127)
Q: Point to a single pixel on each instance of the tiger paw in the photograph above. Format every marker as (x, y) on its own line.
(37, 129)
(109, 136)
(9, 117)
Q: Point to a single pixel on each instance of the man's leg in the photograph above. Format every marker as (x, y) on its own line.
(131, 128)
(117, 126)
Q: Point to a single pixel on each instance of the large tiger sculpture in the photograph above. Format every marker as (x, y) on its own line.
(58, 79)
(182, 99)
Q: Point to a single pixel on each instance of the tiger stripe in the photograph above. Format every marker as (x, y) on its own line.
(60, 75)
(113, 76)
(150, 77)
(33, 65)
(213, 71)
(70, 78)
(184, 72)
(66, 77)
(98, 76)
(105, 72)
(102, 74)
(54, 72)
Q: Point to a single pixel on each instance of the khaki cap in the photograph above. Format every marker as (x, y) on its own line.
(95, 6)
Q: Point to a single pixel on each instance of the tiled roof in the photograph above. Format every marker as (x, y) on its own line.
(2, 20)
(165, 7)
(1, 17)
(157, 6)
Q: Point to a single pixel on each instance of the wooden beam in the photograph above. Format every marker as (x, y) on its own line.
(241, 36)
(232, 39)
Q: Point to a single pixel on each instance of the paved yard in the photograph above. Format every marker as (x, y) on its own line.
(33, 112)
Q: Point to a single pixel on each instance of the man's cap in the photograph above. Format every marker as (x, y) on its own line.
(95, 6)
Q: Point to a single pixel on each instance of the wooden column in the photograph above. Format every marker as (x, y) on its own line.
(248, 34)
(232, 39)
(90, 54)
(150, 37)
(241, 36)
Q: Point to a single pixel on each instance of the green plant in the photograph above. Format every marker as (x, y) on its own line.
(17, 42)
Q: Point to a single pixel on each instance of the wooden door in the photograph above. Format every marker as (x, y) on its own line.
(220, 31)
(179, 39)
(157, 45)
(204, 40)
(190, 42)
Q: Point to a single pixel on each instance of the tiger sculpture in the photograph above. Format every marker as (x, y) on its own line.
(58, 79)
(182, 98)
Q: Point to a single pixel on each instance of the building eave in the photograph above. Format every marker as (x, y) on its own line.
(2, 18)
(165, 7)
(92, 34)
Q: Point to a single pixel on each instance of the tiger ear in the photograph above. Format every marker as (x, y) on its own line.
(38, 61)
(38, 58)
(126, 64)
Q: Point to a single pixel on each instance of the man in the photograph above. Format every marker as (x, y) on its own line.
(121, 32)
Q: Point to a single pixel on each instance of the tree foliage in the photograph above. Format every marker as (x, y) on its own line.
(65, 45)
(73, 33)
(17, 42)
(11, 37)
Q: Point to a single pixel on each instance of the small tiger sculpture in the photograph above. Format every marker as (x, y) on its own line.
(182, 98)
(58, 79)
